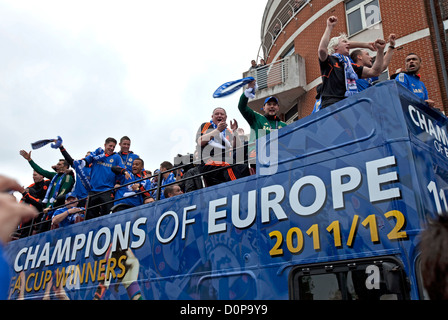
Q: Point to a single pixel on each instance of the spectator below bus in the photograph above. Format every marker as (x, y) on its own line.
(127, 156)
(339, 75)
(434, 258)
(68, 215)
(172, 191)
(102, 178)
(411, 79)
(362, 57)
(215, 149)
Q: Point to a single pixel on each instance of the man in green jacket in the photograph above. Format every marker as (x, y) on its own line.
(260, 125)
(61, 184)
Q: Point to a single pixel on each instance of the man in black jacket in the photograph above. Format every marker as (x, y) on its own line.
(33, 196)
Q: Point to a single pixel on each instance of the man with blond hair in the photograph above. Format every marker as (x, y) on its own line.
(339, 74)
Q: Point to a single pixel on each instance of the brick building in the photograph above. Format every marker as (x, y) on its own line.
(291, 31)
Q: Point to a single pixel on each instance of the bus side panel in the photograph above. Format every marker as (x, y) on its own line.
(201, 245)
(430, 152)
(355, 180)
(307, 235)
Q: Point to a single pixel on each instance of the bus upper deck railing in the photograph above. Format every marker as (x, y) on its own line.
(157, 189)
(354, 186)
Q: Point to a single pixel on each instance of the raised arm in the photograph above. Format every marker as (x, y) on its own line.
(363, 45)
(377, 67)
(66, 155)
(323, 45)
(246, 112)
(39, 170)
(390, 51)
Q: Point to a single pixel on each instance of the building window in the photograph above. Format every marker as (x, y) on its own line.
(289, 52)
(362, 14)
(292, 115)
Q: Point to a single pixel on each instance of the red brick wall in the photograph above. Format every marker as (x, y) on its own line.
(307, 43)
(398, 16)
(401, 18)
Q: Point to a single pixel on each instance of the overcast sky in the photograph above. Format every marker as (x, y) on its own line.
(88, 70)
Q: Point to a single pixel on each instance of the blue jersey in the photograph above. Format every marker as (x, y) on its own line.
(70, 219)
(79, 189)
(101, 176)
(128, 191)
(127, 159)
(171, 178)
(413, 83)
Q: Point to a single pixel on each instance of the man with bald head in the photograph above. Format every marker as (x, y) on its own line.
(215, 143)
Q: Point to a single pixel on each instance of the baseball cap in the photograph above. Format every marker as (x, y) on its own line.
(71, 195)
(270, 98)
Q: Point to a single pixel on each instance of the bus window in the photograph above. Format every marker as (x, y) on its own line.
(350, 280)
(320, 287)
(235, 286)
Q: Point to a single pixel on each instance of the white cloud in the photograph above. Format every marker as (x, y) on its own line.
(87, 70)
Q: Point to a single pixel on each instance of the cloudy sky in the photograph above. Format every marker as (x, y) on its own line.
(88, 70)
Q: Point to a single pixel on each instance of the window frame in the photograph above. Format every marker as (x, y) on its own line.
(362, 7)
(333, 267)
(292, 116)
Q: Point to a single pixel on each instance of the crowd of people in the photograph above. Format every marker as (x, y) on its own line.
(345, 74)
(106, 181)
(348, 68)
(102, 182)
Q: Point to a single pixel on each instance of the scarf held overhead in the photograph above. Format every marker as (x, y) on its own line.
(41, 143)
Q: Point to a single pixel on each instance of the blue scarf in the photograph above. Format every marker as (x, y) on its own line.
(40, 143)
(225, 141)
(79, 168)
(350, 75)
(57, 187)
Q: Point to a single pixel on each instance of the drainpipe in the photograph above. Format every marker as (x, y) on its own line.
(439, 46)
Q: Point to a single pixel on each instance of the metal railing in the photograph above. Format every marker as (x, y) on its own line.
(270, 75)
(278, 23)
(35, 225)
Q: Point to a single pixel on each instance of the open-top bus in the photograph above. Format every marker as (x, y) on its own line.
(334, 211)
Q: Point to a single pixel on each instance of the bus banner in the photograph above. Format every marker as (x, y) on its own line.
(345, 183)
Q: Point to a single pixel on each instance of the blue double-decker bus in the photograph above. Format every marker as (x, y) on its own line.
(334, 211)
